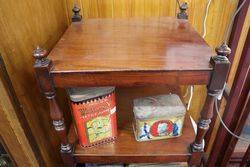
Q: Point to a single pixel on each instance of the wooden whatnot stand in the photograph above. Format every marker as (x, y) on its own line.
(132, 52)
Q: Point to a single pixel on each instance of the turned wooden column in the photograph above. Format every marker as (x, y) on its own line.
(42, 69)
(215, 88)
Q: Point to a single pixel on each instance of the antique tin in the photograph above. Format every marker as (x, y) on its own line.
(158, 117)
(94, 111)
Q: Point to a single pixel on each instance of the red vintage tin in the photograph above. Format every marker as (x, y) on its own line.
(94, 111)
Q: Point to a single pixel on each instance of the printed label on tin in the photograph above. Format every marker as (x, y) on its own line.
(155, 129)
(99, 128)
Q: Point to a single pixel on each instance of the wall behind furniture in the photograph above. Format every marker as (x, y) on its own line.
(220, 13)
(24, 25)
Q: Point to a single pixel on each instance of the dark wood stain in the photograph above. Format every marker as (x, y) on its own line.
(133, 52)
(150, 44)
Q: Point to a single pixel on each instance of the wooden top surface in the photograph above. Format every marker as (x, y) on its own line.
(146, 44)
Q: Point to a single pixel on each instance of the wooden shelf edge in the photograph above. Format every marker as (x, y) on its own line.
(131, 78)
(131, 159)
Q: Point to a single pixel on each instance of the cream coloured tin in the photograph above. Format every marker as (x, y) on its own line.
(158, 117)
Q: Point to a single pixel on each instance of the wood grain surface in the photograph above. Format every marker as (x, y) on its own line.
(150, 44)
(127, 150)
(12, 132)
(26, 25)
(220, 13)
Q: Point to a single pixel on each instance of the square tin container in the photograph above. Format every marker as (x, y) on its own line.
(158, 117)
(94, 111)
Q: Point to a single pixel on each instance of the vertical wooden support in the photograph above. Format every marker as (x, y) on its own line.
(42, 69)
(76, 16)
(236, 108)
(215, 88)
(183, 11)
(233, 43)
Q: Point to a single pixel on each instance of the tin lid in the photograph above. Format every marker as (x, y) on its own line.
(158, 106)
(81, 94)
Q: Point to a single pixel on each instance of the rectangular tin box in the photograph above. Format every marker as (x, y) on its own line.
(94, 111)
(158, 117)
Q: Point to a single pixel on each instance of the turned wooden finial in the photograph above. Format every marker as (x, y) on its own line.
(219, 61)
(40, 55)
(223, 50)
(76, 16)
(183, 11)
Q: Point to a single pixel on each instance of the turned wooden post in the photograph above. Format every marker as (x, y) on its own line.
(42, 69)
(221, 67)
(76, 17)
(183, 11)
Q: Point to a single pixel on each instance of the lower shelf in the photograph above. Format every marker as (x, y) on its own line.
(127, 150)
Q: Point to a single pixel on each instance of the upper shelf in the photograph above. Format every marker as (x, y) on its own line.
(145, 44)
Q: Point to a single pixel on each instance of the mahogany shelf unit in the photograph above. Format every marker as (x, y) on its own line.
(129, 53)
